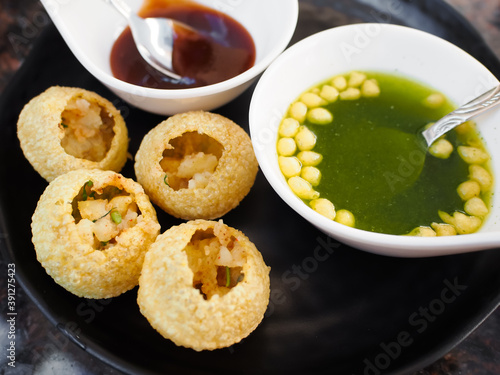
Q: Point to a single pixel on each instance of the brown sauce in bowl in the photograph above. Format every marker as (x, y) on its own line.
(224, 50)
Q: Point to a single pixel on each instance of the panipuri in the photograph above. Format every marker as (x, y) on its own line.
(196, 165)
(204, 285)
(68, 128)
(91, 230)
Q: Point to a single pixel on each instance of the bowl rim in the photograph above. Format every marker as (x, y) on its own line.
(375, 242)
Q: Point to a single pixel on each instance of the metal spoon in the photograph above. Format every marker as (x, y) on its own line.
(154, 38)
(475, 107)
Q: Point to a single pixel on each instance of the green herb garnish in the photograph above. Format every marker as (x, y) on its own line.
(64, 125)
(89, 183)
(116, 217)
(165, 180)
(106, 214)
(228, 277)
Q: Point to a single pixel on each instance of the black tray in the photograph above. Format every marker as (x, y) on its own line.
(333, 309)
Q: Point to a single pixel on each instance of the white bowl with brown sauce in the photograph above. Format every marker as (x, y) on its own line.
(90, 29)
(392, 49)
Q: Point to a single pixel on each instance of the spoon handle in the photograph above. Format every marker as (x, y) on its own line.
(475, 107)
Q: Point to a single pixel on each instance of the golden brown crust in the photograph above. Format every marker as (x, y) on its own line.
(179, 311)
(40, 134)
(230, 183)
(72, 260)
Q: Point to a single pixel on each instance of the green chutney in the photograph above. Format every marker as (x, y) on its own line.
(374, 166)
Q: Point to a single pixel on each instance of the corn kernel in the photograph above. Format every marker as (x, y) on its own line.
(329, 93)
(324, 207)
(302, 188)
(350, 94)
(463, 223)
(422, 231)
(312, 100)
(356, 79)
(473, 155)
(288, 127)
(310, 158)
(443, 229)
(345, 217)
(476, 207)
(319, 116)
(434, 100)
(339, 82)
(311, 175)
(474, 141)
(441, 149)
(482, 176)
(466, 224)
(305, 139)
(370, 88)
(298, 111)
(466, 127)
(286, 146)
(468, 189)
(290, 166)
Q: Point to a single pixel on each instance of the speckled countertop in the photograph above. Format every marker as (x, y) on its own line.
(43, 349)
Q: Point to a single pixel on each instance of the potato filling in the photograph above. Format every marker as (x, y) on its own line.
(102, 217)
(216, 259)
(88, 129)
(191, 161)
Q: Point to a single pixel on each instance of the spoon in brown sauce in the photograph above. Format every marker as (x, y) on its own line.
(154, 38)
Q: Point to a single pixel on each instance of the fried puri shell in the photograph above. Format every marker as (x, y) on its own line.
(184, 294)
(67, 128)
(69, 250)
(196, 165)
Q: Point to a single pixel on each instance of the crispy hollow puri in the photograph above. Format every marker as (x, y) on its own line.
(68, 249)
(43, 134)
(226, 146)
(181, 297)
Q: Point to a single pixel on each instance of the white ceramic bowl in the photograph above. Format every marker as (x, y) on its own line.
(90, 28)
(385, 48)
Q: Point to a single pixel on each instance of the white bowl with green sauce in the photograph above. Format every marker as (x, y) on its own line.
(398, 58)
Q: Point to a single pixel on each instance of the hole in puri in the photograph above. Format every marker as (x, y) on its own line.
(88, 129)
(191, 161)
(100, 216)
(216, 262)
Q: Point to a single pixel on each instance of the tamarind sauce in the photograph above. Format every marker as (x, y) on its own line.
(224, 50)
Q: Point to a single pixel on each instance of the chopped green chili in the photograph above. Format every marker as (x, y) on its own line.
(228, 277)
(85, 196)
(106, 214)
(116, 217)
(165, 180)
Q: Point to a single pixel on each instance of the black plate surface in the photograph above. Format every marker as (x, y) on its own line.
(333, 309)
